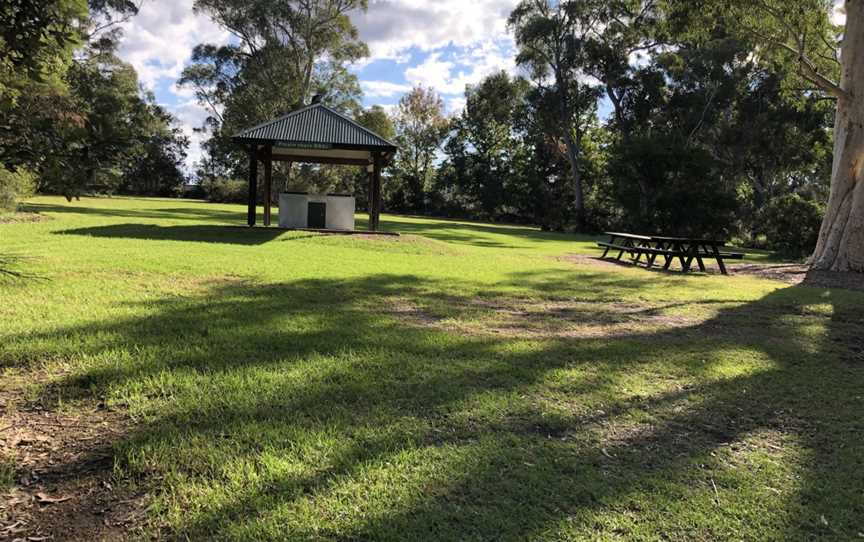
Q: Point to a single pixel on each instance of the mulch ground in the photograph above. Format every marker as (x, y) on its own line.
(790, 273)
(22, 217)
(63, 486)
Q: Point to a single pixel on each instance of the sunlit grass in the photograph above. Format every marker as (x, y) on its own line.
(461, 382)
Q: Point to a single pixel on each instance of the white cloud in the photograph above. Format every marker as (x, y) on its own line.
(474, 33)
(158, 41)
(455, 105)
(383, 89)
(391, 27)
(433, 72)
(838, 14)
(191, 115)
(467, 68)
(182, 92)
(456, 42)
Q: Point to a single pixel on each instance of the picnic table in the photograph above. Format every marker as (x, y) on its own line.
(684, 249)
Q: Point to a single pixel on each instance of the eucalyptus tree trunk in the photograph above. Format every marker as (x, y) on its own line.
(572, 146)
(841, 238)
(576, 176)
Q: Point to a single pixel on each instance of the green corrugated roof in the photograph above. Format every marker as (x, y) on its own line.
(314, 125)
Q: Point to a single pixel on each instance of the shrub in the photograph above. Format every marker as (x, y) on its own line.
(791, 224)
(15, 185)
(222, 190)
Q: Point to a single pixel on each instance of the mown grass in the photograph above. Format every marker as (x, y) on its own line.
(462, 382)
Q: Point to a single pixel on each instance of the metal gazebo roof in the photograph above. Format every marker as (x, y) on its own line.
(315, 127)
(319, 135)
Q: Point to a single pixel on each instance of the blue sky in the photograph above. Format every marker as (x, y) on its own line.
(443, 44)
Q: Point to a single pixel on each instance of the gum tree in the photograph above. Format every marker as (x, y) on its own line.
(552, 38)
(831, 59)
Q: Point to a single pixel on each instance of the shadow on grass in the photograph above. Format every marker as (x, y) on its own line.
(305, 410)
(188, 212)
(239, 235)
(466, 232)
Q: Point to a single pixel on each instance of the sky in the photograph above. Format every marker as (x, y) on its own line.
(443, 44)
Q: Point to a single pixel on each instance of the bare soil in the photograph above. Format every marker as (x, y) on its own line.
(22, 217)
(790, 273)
(62, 482)
(543, 319)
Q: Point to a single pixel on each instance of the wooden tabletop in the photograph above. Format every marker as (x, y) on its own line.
(685, 239)
(627, 235)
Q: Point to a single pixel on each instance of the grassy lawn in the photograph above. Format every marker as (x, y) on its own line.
(464, 381)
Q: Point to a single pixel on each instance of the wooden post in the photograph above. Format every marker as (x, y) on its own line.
(369, 196)
(268, 183)
(375, 193)
(253, 186)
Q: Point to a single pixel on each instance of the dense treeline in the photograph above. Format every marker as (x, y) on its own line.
(693, 136)
(711, 118)
(623, 117)
(75, 120)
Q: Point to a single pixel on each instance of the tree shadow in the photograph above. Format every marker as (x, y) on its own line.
(188, 212)
(462, 232)
(458, 437)
(237, 235)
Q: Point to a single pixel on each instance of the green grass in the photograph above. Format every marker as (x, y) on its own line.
(462, 382)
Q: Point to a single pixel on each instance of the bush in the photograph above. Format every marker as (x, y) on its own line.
(15, 186)
(222, 190)
(791, 224)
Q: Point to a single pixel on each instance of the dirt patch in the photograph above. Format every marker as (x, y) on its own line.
(407, 311)
(611, 263)
(59, 479)
(790, 273)
(594, 261)
(22, 218)
(801, 274)
(541, 319)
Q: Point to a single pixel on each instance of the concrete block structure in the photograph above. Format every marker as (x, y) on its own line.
(316, 211)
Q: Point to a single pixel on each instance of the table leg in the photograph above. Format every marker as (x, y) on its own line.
(621, 252)
(611, 242)
(719, 259)
(639, 253)
(679, 248)
(699, 258)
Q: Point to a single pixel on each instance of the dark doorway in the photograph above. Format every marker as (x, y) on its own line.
(317, 215)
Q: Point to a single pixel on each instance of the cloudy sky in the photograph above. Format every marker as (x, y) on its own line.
(445, 44)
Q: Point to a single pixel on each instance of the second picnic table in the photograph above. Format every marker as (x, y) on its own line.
(685, 249)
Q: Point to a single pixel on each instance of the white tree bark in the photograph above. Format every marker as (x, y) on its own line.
(841, 238)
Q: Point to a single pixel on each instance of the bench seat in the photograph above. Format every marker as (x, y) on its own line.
(643, 250)
(684, 249)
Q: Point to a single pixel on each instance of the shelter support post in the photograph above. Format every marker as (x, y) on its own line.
(375, 192)
(268, 183)
(253, 187)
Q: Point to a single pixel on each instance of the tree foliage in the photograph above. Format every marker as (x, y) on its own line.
(79, 122)
(553, 39)
(282, 54)
(421, 127)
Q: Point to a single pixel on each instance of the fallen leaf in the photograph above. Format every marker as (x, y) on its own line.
(48, 499)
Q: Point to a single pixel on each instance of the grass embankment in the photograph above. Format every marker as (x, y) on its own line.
(462, 382)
